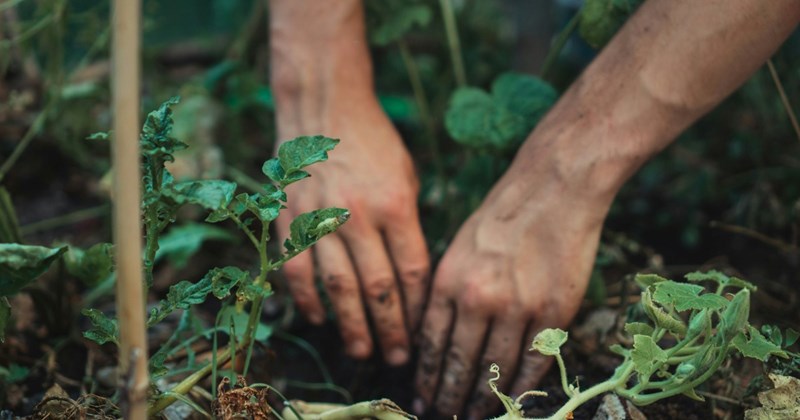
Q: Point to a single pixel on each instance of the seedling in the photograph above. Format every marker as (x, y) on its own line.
(692, 331)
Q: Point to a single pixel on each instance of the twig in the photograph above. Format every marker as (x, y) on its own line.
(453, 43)
(741, 230)
(784, 98)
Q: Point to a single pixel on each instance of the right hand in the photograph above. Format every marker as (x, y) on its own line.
(377, 263)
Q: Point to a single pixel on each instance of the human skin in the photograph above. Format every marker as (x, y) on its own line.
(522, 261)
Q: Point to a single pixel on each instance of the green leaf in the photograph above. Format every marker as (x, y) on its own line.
(180, 296)
(647, 280)
(634, 328)
(397, 19)
(473, 119)
(549, 341)
(660, 317)
(5, 317)
(226, 278)
(307, 228)
(91, 266)
(251, 292)
(684, 296)
(524, 95)
(156, 139)
(181, 242)
(791, 337)
(104, 329)
(14, 373)
(265, 206)
(721, 279)
(230, 315)
(734, 318)
(22, 264)
(601, 19)
(296, 154)
(753, 344)
(211, 194)
(646, 355)
(156, 362)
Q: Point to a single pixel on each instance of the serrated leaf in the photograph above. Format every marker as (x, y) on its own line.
(156, 139)
(22, 264)
(646, 355)
(307, 228)
(756, 346)
(721, 279)
(91, 266)
(211, 194)
(685, 296)
(181, 295)
(549, 341)
(181, 242)
(634, 328)
(5, 317)
(104, 329)
(601, 19)
(647, 280)
(296, 154)
(226, 278)
(396, 19)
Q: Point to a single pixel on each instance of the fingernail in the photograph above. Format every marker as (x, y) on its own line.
(359, 348)
(397, 356)
(316, 318)
(418, 406)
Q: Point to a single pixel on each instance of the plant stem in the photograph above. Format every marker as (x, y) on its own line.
(245, 229)
(784, 98)
(66, 219)
(582, 397)
(187, 384)
(558, 45)
(33, 130)
(453, 43)
(563, 370)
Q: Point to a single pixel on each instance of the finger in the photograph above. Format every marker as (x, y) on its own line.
(502, 348)
(381, 292)
(533, 365)
(462, 355)
(432, 341)
(411, 262)
(341, 284)
(299, 274)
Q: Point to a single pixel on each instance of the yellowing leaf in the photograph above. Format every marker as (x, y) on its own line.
(549, 341)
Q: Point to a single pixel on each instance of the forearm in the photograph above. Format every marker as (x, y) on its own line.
(319, 58)
(672, 62)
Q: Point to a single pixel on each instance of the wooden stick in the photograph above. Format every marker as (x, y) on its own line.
(127, 218)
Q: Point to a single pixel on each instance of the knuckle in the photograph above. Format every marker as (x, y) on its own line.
(414, 275)
(379, 288)
(397, 204)
(339, 284)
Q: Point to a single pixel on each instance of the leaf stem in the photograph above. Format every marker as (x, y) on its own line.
(564, 381)
(558, 45)
(453, 43)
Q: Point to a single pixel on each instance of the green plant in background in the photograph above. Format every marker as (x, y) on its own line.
(692, 331)
(161, 199)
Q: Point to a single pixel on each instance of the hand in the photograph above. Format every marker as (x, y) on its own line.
(518, 265)
(379, 254)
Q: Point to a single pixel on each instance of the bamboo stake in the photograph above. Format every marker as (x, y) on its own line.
(127, 218)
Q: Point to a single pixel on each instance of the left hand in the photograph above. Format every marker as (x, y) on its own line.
(521, 263)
